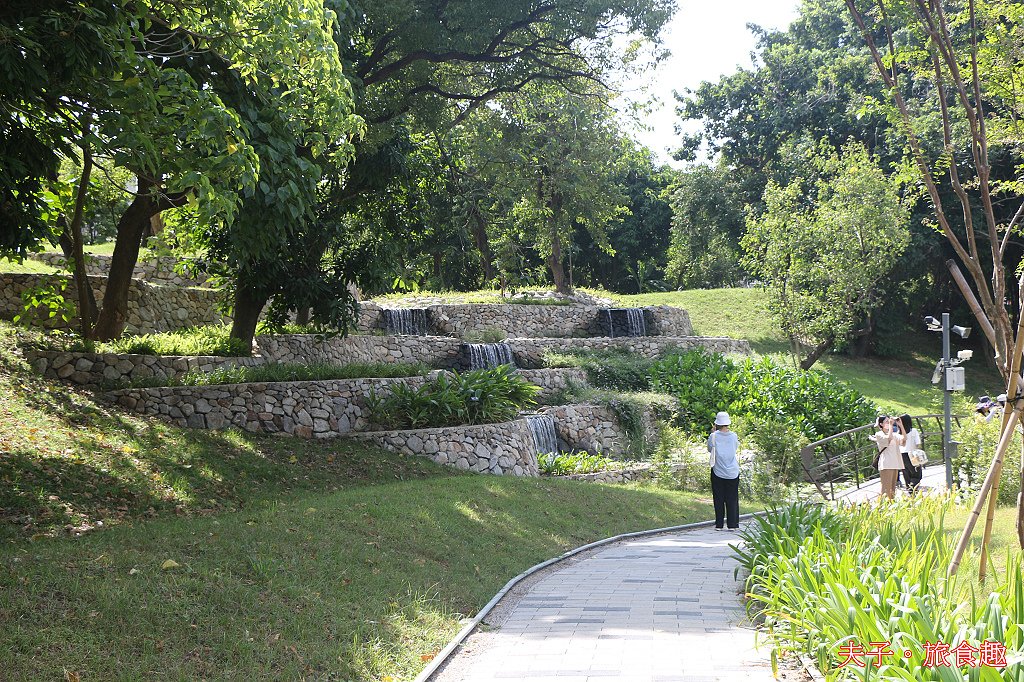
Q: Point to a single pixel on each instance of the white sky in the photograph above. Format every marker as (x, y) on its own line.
(707, 40)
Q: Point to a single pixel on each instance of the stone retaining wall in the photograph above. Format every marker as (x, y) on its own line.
(596, 429)
(445, 351)
(159, 270)
(507, 448)
(436, 351)
(553, 381)
(530, 352)
(151, 308)
(307, 409)
(520, 319)
(95, 369)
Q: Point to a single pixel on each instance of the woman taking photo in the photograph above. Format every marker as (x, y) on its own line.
(888, 439)
(723, 445)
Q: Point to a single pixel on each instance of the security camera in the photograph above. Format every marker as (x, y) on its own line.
(964, 332)
(964, 355)
(930, 321)
(937, 374)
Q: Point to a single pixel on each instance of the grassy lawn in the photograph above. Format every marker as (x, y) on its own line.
(1003, 545)
(291, 559)
(28, 267)
(365, 584)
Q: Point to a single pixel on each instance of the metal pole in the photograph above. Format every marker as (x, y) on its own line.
(946, 402)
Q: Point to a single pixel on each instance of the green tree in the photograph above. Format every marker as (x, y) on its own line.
(824, 245)
(707, 223)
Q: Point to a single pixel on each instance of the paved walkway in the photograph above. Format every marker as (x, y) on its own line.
(934, 480)
(660, 609)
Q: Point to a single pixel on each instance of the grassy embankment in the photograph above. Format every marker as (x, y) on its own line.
(291, 559)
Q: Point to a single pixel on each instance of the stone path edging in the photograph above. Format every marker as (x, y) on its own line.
(450, 648)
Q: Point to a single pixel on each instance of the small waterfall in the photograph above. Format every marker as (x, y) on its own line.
(542, 426)
(487, 355)
(410, 321)
(624, 322)
(636, 322)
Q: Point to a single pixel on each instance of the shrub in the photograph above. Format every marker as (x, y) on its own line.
(776, 465)
(564, 464)
(486, 335)
(824, 577)
(814, 402)
(674, 448)
(482, 396)
(612, 368)
(978, 440)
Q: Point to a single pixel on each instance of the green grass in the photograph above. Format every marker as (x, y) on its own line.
(207, 340)
(68, 461)
(316, 371)
(295, 559)
(26, 267)
(356, 585)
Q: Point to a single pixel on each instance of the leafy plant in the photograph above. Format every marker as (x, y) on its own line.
(611, 368)
(486, 335)
(47, 301)
(564, 464)
(823, 577)
(482, 396)
(813, 402)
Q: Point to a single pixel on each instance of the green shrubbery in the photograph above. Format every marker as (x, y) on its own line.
(208, 340)
(823, 577)
(813, 402)
(614, 368)
(563, 464)
(978, 440)
(482, 396)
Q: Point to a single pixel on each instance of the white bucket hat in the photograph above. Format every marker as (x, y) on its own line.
(722, 419)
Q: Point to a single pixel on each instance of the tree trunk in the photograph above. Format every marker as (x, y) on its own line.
(809, 361)
(248, 306)
(67, 246)
(483, 245)
(134, 222)
(302, 315)
(555, 264)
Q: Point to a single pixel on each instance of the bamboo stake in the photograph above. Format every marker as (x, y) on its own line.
(997, 461)
(1012, 386)
(972, 303)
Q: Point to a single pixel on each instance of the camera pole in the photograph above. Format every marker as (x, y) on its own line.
(946, 398)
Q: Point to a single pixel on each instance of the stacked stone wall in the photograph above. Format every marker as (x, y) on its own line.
(151, 307)
(111, 369)
(157, 270)
(507, 448)
(627, 474)
(436, 351)
(597, 429)
(530, 352)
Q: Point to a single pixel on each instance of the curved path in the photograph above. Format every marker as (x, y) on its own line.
(657, 609)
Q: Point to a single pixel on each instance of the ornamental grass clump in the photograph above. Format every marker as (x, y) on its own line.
(826, 581)
(482, 396)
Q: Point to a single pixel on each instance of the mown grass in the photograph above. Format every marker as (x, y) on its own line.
(68, 462)
(364, 584)
(27, 266)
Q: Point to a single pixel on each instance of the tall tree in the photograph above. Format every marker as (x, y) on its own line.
(823, 246)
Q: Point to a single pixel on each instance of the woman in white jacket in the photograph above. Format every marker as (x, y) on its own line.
(888, 439)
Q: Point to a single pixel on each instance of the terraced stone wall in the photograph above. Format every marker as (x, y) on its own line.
(151, 307)
(158, 270)
(437, 351)
(501, 449)
(530, 352)
(95, 369)
(597, 429)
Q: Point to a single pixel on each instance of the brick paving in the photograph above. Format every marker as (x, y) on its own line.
(659, 609)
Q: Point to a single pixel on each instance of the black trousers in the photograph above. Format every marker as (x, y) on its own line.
(912, 475)
(726, 494)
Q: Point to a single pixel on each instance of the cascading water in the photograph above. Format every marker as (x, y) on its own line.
(487, 355)
(542, 426)
(624, 322)
(411, 321)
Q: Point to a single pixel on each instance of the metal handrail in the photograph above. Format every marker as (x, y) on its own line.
(843, 464)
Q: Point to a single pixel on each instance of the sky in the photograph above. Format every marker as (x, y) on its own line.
(707, 39)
